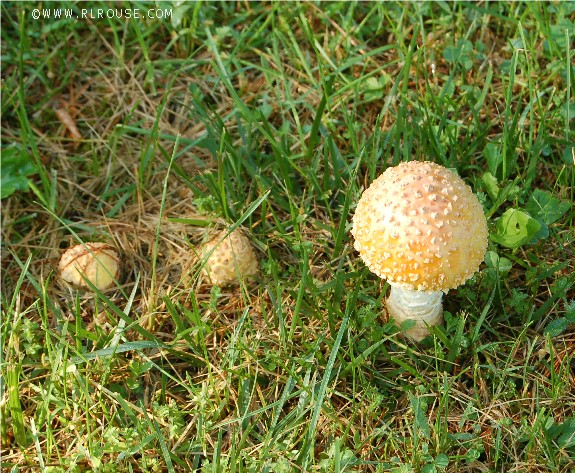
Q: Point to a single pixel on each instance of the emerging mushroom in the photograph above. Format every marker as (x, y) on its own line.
(232, 259)
(420, 227)
(99, 263)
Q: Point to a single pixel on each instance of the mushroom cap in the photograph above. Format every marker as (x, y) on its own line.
(421, 227)
(98, 262)
(233, 258)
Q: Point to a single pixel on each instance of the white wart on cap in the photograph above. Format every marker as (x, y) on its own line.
(420, 227)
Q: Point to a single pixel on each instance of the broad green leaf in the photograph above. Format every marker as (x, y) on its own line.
(494, 261)
(541, 234)
(561, 433)
(568, 110)
(374, 87)
(16, 164)
(552, 429)
(407, 324)
(569, 154)
(567, 439)
(557, 32)
(429, 468)
(460, 53)
(491, 186)
(515, 228)
(556, 327)
(419, 418)
(441, 461)
(493, 156)
(570, 310)
(546, 208)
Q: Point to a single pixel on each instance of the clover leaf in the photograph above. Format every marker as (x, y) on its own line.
(16, 165)
(515, 228)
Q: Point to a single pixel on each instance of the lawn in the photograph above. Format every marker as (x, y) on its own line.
(153, 134)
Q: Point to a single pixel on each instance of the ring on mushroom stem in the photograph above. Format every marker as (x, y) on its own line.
(420, 227)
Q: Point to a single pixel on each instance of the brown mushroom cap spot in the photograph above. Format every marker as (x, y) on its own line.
(421, 226)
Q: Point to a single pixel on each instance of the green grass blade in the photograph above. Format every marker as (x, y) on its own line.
(304, 457)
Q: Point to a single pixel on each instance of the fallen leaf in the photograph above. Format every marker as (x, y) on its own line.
(67, 120)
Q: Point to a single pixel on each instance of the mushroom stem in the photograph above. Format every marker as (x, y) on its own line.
(422, 306)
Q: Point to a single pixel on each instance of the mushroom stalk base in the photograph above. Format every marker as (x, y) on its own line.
(422, 306)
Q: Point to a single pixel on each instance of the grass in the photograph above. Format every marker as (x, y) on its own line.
(276, 116)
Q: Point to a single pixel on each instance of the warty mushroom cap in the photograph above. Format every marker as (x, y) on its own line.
(420, 226)
(232, 259)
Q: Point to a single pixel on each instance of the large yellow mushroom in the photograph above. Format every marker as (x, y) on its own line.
(420, 227)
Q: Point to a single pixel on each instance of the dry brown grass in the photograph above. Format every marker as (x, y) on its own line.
(496, 397)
